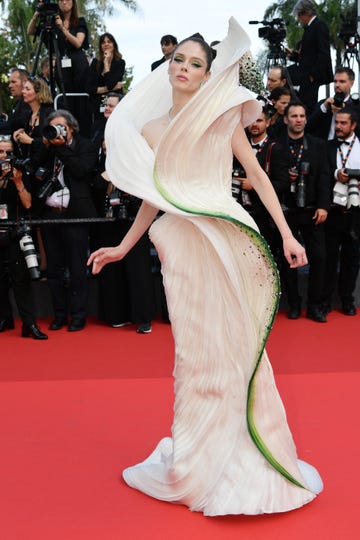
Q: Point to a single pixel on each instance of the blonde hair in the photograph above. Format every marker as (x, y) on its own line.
(41, 89)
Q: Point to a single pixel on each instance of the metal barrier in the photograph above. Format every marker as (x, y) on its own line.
(68, 94)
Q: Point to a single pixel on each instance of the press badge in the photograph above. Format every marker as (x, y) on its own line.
(66, 62)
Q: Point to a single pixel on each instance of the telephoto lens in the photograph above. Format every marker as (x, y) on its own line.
(50, 132)
(353, 193)
(27, 247)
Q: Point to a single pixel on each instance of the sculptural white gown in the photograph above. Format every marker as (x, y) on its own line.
(231, 451)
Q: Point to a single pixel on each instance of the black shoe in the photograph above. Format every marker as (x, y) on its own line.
(326, 308)
(315, 313)
(76, 325)
(349, 309)
(144, 328)
(6, 324)
(294, 312)
(58, 323)
(31, 330)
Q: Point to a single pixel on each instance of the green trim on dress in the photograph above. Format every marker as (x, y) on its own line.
(262, 245)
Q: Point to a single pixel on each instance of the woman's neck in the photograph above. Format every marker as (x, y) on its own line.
(179, 102)
(35, 107)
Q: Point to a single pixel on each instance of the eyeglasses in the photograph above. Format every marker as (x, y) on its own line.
(5, 138)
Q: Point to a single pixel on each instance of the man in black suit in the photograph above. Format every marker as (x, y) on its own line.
(270, 156)
(343, 226)
(71, 161)
(322, 121)
(168, 44)
(313, 66)
(307, 201)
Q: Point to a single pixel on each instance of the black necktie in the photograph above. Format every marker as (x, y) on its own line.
(256, 146)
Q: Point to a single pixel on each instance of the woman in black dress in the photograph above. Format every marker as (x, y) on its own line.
(105, 74)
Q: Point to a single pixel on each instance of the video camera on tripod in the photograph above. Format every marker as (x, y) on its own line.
(348, 33)
(48, 11)
(273, 31)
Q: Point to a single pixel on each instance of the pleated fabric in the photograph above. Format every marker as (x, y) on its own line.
(231, 450)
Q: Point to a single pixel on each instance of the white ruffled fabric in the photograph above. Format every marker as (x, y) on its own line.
(231, 451)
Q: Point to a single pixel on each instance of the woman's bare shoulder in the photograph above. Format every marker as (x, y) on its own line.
(152, 131)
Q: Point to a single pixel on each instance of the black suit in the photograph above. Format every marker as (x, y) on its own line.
(158, 63)
(342, 234)
(270, 156)
(66, 245)
(301, 221)
(314, 62)
(319, 123)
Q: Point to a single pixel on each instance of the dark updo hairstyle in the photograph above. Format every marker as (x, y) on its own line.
(210, 53)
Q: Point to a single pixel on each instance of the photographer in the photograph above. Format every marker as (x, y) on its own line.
(270, 156)
(313, 66)
(343, 226)
(67, 162)
(307, 203)
(15, 200)
(322, 121)
(71, 34)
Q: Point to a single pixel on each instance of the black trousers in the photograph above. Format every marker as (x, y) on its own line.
(343, 254)
(125, 288)
(14, 273)
(313, 237)
(67, 247)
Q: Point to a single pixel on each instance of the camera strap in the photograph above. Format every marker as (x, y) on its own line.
(268, 157)
(59, 171)
(344, 159)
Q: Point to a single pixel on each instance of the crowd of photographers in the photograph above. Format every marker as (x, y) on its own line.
(57, 203)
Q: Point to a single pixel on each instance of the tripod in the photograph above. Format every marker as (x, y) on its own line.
(351, 52)
(48, 37)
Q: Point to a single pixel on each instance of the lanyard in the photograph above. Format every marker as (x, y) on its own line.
(344, 159)
(299, 155)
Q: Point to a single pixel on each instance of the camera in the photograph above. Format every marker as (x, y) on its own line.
(301, 184)
(267, 105)
(353, 194)
(339, 99)
(48, 11)
(12, 162)
(273, 31)
(50, 132)
(50, 184)
(237, 174)
(49, 188)
(22, 234)
(348, 194)
(348, 32)
(116, 205)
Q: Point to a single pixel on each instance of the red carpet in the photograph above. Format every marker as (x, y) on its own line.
(77, 409)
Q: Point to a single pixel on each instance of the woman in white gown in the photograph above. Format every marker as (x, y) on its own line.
(231, 450)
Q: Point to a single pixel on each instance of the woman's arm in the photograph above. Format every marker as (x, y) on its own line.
(32, 24)
(76, 40)
(293, 251)
(142, 222)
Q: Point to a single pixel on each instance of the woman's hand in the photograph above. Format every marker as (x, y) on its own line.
(59, 22)
(294, 252)
(104, 256)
